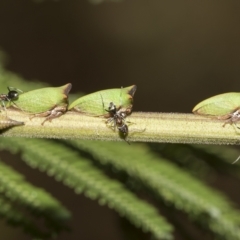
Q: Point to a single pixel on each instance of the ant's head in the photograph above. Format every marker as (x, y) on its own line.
(12, 95)
(112, 107)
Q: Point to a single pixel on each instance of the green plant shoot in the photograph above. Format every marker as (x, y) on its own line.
(50, 102)
(224, 106)
(96, 103)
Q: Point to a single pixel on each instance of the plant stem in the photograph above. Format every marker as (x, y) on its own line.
(143, 127)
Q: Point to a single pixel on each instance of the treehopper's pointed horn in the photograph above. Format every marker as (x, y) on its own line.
(132, 90)
(67, 88)
(6, 122)
(15, 123)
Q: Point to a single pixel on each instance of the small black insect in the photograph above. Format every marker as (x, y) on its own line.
(117, 118)
(10, 97)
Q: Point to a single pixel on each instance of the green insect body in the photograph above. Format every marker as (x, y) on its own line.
(96, 103)
(223, 106)
(50, 102)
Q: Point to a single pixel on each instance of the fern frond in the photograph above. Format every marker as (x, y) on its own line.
(38, 201)
(184, 157)
(225, 153)
(203, 161)
(219, 158)
(18, 194)
(17, 218)
(184, 192)
(79, 173)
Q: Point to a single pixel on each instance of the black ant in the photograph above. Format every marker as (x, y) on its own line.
(117, 118)
(9, 97)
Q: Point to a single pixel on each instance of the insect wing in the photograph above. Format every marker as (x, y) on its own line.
(218, 105)
(42, 100)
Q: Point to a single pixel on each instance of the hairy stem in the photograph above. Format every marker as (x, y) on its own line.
(143, 127)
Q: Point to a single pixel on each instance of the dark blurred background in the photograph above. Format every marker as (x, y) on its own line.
(177, 53)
